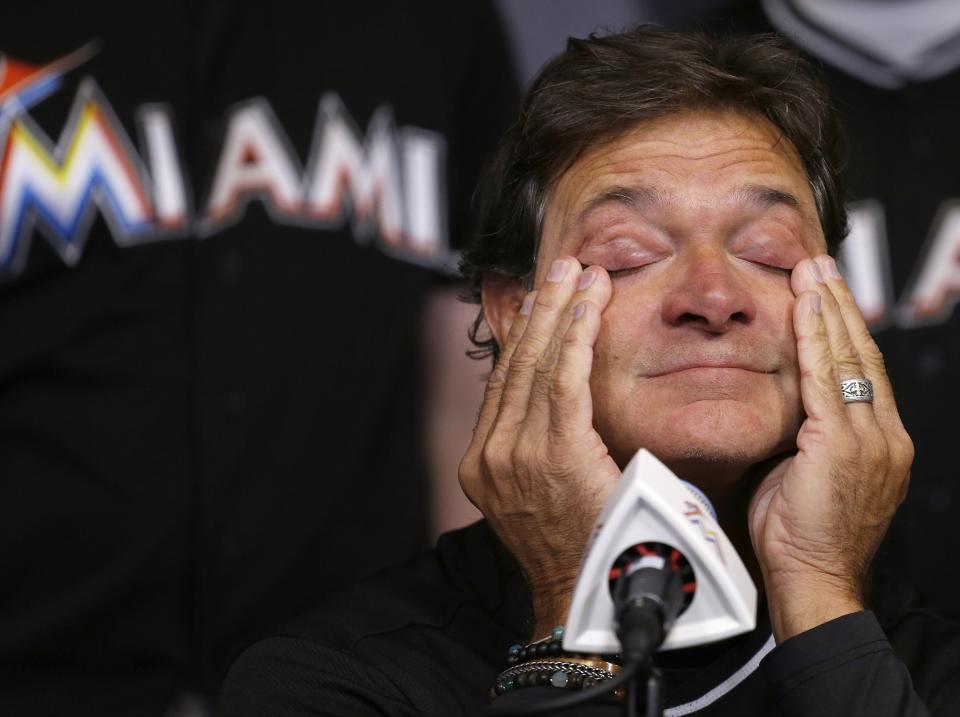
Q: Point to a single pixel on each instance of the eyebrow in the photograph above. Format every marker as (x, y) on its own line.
(766, 197)
(635, 198)
(642, 197)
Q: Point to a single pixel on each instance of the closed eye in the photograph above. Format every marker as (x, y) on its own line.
(774, 266)
(617, 273)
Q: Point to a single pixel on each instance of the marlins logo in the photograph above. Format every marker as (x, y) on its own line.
(58, 188)
(386, 184)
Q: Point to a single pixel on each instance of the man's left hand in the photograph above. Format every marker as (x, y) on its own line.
(818, 516)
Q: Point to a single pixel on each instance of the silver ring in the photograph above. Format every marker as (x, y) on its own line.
(857, 390)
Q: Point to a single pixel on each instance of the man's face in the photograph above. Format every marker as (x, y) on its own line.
(699, 218)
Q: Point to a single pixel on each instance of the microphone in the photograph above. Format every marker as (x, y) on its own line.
(658, 557)
(658, 573)
(651, 583)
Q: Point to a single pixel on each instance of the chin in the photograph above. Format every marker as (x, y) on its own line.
(715, 434)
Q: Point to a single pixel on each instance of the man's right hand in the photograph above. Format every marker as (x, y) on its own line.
(536, 467)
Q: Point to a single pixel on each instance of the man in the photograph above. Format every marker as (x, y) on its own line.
(653, 266)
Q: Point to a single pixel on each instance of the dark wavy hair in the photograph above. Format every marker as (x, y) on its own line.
(603, 86)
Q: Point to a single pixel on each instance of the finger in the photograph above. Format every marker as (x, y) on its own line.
(808, 276)
(819, 384)
(570, 401)
(471, 472)
(551, 301)
(900, 449)
(870, 357)
(491, 395)
(593, 285)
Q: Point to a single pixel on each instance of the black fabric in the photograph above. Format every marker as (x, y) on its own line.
(853, 671)
(202, 433)
(430, 637)
(423, 637)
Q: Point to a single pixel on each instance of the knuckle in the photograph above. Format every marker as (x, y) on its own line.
(562, 385)
(571, 338)
(823, 374)
(495, 383)
(903, 489)
(468, 471)
(468, 484)
(546, 362)
(909, 449)
(501, 368)
(872, 356)
(903, 450)
(521, 456)
(495, 454)
(471, 478)
(548, 298)
(524, 360)
(848, 363)
(816, 347)
(569, 378)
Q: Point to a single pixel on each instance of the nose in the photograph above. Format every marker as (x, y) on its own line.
(706, 293)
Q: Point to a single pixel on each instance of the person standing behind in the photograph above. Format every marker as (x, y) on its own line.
(219, 225)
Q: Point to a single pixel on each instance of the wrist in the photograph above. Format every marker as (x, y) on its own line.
(797, 608)
(549, 611)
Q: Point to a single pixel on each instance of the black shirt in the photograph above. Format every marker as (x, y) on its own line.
(430, 637)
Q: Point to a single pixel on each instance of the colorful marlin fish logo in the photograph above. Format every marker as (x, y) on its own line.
(23, 84)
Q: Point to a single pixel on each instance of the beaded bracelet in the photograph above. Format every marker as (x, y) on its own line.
(556, 673)
(543, 663)
(549, 646)
(564, 674)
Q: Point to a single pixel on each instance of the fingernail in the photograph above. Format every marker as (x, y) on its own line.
(815, 303)
(829, 267)
(527, 306)
(558, 270)
(586, 279)
(815, 272)
(579, 309)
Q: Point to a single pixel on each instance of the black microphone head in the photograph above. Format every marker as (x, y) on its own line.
(666, 570)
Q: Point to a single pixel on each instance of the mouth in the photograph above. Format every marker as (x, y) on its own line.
(709, 368)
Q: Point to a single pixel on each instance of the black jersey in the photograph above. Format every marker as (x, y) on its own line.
(218, 223)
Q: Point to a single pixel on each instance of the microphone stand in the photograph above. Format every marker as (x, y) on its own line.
(647, 603)
(651, 701)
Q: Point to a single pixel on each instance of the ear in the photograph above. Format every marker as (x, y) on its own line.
(502, 297)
